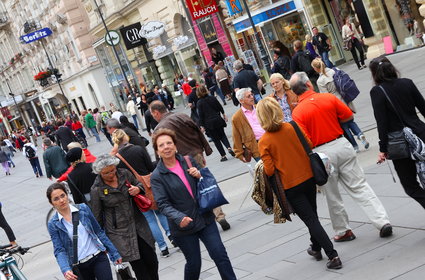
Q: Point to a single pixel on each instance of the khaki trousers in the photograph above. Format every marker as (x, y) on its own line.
(350, 176)
(218, 212)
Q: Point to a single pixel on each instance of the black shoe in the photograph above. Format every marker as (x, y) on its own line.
(231, 152)
(165, 253)
(224, 103)
(36, 175)
(172, 241)
(224, 224)
(223, 158)
(335, 263)
(386, 230)
(316, 254)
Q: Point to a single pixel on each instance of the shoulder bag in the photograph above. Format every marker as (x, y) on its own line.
(319, 171)
(145, 180)
(75, 222)
(142, 202)
(208, 192)
(397, 146)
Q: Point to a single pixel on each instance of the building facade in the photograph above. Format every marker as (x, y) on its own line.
(29, 67)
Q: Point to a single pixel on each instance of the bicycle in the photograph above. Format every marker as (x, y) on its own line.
(9, 269)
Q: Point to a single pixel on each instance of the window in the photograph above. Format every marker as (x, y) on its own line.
(82, 102)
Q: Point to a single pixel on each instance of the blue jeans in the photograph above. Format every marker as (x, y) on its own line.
(216, 88)
(35, 163)
(94, 131)
(96, 268)
(189, 244)
(136, 123)
(325, 58)
(151, 216)
(258, 97)
(351, 128)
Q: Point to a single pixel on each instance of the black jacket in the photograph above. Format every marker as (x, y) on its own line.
(137, 157)
(282, 65)
(135, 137)
(80, 181)
(209, 110)
(55, 162)
(174, 200)
(65, 136)
(406, 98)
(150, 122)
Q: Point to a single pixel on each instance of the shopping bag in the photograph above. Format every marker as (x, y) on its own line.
(124, 273)
(208, 193)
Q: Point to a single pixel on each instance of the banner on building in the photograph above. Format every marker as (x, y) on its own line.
(233, 7)
(207, 28)
(132, 36)
(201, 8)
(5, 112)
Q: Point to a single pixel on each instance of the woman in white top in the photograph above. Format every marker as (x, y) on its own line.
(326, 84)
(350, 33)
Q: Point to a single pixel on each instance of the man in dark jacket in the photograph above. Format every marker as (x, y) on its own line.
(212, 85)
(135, 139)
(191, 141)
(64, 136)
(282, 64)
(301, 62)
(54, 160)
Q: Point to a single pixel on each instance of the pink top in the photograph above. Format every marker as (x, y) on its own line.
(253, 121)
(178, 170)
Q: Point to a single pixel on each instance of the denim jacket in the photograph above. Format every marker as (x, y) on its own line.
(62, 244)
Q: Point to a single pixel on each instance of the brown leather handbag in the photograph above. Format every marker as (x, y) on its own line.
(145, 180)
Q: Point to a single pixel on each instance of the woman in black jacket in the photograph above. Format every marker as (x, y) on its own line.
(406, 98)
(209, 111)
(125, 123)
(81, 178)
(174, 187)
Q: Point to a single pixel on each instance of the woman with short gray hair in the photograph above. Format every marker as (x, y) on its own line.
(126, 226)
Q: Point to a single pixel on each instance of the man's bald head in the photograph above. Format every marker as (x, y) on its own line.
(300, 83)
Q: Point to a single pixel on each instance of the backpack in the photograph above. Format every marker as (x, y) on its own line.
(104, 117)
(29, 152)
(345, 85)
(304, 63)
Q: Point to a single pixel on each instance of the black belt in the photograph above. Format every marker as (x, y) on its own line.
(329, 141)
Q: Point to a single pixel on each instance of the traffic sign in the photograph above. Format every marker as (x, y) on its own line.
(114, 36)
(36, 35)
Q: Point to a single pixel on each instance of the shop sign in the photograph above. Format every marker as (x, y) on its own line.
(5, 112)
(11, 102)
(158, 50)
(181, 40)
(207, 29)
(152, 29)
(112, 38)
(233, 7)
(265, 16)
(201, 8)
(36, 35)
(92, 59)
(132, 36)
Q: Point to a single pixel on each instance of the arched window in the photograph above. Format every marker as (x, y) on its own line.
(93, 94)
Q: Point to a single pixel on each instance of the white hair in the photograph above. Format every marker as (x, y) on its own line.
(241, 93)
(238, 65)
(298, 82)
(103, 161)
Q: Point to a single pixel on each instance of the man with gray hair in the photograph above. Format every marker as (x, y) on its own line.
(136, 139)
(54, 160)
(320, 116)
(247, 79)
(246, 129)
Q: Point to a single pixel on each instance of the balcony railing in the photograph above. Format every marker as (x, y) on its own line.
(4, 19)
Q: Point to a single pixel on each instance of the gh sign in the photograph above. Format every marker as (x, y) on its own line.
(36, 35)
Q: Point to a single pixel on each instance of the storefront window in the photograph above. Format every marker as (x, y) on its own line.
(289, 29)
(189, 61)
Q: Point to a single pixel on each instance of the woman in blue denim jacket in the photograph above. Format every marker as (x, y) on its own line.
(93, 244)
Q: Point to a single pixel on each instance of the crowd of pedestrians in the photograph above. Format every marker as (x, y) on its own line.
(306, 107)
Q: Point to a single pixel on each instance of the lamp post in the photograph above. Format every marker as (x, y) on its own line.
(263, 54)
(115, 51)
(16, 104)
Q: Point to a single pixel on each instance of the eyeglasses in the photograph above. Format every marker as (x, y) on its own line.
(57, 198)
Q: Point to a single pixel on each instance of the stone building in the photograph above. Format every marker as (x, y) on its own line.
(67, 51)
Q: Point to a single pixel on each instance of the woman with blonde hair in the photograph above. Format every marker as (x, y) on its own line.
(326, 84)
(281, 151)
(283, 94)
(213, 119)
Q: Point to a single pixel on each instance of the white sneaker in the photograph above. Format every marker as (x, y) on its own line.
(364, 141)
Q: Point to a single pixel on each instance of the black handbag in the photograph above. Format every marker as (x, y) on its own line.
(125, 274)
(397, 147)
(319, 171)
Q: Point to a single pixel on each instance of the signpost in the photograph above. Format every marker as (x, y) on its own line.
(112, 38)
(36, 35)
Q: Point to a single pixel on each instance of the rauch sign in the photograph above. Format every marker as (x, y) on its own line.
(201, 8)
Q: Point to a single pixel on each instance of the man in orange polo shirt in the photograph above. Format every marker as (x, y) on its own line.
(320, 115)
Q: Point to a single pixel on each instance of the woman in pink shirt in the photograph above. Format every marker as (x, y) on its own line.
(174, 185)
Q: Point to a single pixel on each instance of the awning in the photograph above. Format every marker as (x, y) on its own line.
(264, 15)
(49, 94)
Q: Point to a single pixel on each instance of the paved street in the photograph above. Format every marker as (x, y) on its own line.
(258, 248)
